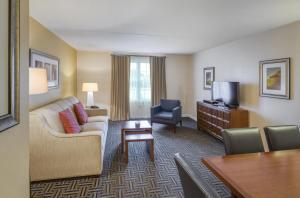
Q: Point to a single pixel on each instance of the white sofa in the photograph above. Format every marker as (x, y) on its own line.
(55, 154)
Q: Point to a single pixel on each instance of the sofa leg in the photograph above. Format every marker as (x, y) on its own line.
(180, 122)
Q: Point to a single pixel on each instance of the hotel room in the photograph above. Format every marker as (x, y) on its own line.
(139, 98)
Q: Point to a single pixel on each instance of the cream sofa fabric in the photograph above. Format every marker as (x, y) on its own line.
(55, 154)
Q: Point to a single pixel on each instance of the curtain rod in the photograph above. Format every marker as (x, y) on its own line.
(138, 55)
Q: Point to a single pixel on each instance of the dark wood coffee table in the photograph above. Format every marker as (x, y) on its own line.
(129, 127)
(148, 138)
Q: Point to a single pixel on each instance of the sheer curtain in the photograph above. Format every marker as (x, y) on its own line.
(140, 87)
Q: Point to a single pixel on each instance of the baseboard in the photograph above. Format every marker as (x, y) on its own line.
(189, 116)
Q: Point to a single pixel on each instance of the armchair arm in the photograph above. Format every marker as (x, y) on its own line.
(177, 114)
(155, 109)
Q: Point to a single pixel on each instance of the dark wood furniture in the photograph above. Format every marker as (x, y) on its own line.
(148, 138)
(213, 119)
(274, 174)
(130, 128)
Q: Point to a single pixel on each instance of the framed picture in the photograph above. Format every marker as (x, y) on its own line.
(208, 77)
(50, 63)
(9, 64)
(275, 78)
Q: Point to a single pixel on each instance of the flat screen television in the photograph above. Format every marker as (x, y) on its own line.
(227, 93)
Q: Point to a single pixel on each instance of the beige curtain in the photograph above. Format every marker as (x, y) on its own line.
(158, 79)
(120, 88)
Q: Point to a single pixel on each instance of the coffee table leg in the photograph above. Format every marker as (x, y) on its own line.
(126, 152)
(151, 150)
(122, 141)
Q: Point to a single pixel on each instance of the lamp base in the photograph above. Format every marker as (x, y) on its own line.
(90, 99)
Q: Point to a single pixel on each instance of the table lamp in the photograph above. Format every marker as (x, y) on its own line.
(90, 88)
(38, 83)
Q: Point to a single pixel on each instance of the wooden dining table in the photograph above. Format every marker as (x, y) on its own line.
(271, 174)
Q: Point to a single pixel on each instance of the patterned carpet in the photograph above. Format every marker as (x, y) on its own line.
(141, 177)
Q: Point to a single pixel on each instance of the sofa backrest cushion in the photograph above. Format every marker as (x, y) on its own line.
(50, 113)
(54, 121)
(69, 121)
(81, 115)
(169, 105)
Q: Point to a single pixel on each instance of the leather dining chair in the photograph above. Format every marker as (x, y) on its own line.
(242, 140)
(283, 137)
(193, 185)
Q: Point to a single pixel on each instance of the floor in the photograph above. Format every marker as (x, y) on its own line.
(141, 177)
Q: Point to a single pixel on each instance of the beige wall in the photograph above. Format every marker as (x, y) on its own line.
(42, 39)
(14, 148)
(178, 77)
(238, 61)
(96, 67)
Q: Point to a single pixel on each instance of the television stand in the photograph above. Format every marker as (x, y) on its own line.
(213, 119)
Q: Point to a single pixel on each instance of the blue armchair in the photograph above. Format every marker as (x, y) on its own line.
(168, 112)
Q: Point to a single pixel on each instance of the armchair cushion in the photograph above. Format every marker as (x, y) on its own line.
(169, 105)
(164, 115)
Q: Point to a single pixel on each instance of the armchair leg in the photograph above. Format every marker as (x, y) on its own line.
(180, 122)
(174, 129)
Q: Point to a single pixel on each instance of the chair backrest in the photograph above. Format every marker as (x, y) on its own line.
(242, 140)
(193, 185)
(169, 105)
(283, 137)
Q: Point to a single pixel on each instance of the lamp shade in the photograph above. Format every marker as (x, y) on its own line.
(38, 82)
(87, 87)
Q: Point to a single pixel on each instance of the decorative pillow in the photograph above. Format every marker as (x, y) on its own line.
(69, 121)
(81, 115)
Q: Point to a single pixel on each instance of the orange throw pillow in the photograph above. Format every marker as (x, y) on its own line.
(69, 121)
(81, 114)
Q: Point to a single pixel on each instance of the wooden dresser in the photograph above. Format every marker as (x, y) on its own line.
(213, 119)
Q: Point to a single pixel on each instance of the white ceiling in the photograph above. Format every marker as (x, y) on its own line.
(160, 26)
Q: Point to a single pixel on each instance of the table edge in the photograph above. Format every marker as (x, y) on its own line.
(227, 181)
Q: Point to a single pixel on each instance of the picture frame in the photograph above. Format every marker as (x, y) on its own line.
(275, 78)
(51, 63)
(9, 64)
(208, 77)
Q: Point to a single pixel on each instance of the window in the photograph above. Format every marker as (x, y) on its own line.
(140, 87)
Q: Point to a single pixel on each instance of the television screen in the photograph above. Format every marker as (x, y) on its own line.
(226, 92)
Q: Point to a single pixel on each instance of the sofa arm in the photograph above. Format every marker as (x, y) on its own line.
(177, 114)
(96, 112)
(155, 109)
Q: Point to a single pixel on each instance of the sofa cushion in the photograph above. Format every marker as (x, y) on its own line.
(72, 100)
(94, 126)
(164, 115)
(80, 113)
(98, 119)
(53, 120)
(65, 104)
(69, 121)
(169, 105)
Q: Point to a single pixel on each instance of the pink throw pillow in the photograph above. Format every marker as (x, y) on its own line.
(69, 121)
(81, 114)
